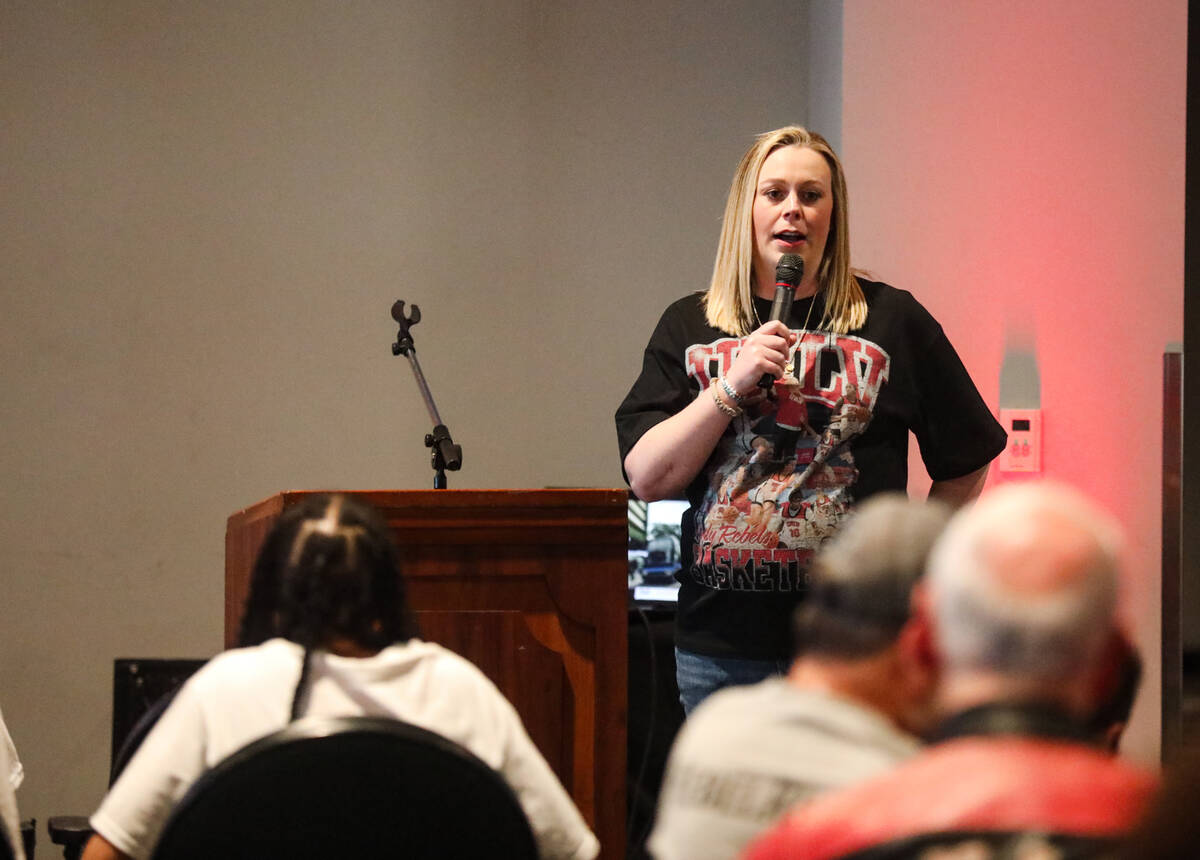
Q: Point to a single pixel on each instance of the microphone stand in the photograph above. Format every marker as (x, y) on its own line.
(445, 454)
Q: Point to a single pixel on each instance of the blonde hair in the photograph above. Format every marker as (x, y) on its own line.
(729, 303)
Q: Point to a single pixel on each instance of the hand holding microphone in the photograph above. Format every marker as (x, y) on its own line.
(764, 354)
(789, 272)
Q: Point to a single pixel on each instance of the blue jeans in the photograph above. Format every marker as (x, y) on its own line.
(700, 676)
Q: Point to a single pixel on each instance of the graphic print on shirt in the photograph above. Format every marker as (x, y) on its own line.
(783, 478)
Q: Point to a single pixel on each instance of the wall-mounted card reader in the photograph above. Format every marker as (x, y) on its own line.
(1024, 451)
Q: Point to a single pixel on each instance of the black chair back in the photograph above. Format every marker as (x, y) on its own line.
(348, 787)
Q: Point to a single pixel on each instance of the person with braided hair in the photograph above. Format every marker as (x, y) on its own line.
(327, 631)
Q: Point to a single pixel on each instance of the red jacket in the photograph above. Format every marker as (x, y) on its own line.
(979, 783)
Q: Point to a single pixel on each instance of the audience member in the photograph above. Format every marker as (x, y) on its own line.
(844, 712)
(11, 775)
(1017, 607)
(327, 632)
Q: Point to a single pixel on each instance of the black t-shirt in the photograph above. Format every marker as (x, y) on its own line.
(787, 472)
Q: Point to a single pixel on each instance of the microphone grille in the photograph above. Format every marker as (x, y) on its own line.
(790, 270)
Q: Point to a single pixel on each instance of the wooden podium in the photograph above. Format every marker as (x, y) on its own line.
(530, 586)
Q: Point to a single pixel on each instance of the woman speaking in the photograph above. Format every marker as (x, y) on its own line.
(774, 429)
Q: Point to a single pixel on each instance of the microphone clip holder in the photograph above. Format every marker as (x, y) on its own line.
(444, 453)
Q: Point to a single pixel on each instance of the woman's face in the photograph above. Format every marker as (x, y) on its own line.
(793, 204)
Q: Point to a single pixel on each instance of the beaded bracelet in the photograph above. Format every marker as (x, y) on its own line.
(733, 395)
(726, 409)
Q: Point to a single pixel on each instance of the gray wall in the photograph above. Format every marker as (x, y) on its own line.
(208, 211)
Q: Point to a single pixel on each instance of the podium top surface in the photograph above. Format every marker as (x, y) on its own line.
(604, 506)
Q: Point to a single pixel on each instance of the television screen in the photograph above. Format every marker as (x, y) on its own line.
(654, 557)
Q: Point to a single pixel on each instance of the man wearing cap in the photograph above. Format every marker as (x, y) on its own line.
(847, 709)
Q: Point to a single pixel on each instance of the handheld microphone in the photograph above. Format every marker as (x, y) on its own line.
(789, 272)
